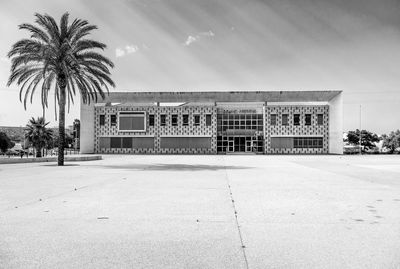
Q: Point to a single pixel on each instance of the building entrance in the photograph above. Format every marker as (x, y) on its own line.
(240, 143)
(231, 146)
(240, 130)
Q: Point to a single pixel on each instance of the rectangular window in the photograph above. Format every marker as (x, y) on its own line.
(104, 142)
(296, 119)
(185, 120)
(185, 142)
(113, 120)
(115, 142)
(196, 120)
(132, 121)
(282, 142)
(143, 142)
(151, 120)
(308, 142)
(127, 142)
(163, 120)
(308, 119)
(273, 119)
(102, 119)
(208, 120)
(320, 119)
(285, 119)
(174, 120)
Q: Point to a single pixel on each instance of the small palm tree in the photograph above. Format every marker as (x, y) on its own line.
(61, 58)
(37, 134)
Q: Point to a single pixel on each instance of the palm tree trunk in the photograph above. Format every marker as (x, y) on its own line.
(38, 152)
(61, 125)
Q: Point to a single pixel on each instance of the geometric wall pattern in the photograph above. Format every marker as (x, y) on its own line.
(297, 130)
(157, 131)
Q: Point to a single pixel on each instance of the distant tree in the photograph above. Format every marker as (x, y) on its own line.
(76, 133)
(76, 128)
(53, 142)
(5, 142)
(69, 140)
(367, 138)
(38, 135)
(391, 141)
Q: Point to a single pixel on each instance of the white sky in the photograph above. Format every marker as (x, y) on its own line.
(182, 45)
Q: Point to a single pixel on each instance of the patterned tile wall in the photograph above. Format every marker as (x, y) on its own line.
(298, 130)
(157, 131)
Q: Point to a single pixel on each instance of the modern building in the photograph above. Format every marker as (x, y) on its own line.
(263, 122)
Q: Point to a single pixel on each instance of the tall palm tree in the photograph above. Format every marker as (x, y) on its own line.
(61, 58)
(37, 134)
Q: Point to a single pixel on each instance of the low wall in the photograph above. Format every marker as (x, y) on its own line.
(50, 159)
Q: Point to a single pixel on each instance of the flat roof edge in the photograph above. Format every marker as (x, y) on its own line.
(221, 96)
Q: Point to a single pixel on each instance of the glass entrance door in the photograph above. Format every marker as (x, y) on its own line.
(231, 146)
(240, 143)
(249, 146)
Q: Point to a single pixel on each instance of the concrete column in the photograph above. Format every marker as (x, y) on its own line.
(264, 128)
(336, 124)
(87, 128)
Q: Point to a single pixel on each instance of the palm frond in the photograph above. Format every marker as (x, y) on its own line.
(60, 58)
(36, 32)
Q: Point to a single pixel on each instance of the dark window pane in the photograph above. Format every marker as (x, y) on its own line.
(320, 119)
(115, 142)
(285, 119)
(208, 120)
(127, 142)
(151, 120)
(308, 142)
(174, 120)
(196, 120)
(102, 119)
(185, 120)
(315, 142)
(296, 119)
(113, 120)
(300, 142)
(163, 120)
(308, 119)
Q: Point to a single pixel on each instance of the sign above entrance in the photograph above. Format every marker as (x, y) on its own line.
(240, 132)
(239, 111)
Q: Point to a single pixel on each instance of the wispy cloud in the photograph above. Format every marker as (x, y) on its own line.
(119, 52)
(191, 39)
(128, 49)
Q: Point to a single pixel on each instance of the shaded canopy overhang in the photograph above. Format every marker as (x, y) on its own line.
(227, 96)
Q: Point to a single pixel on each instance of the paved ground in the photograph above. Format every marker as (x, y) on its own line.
(179, 212)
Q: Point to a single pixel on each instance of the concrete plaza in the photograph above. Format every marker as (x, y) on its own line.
(186, 211)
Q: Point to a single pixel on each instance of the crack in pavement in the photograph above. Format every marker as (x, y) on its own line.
(236, 216)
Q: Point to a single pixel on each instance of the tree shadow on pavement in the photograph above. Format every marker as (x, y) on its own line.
(173, 167)
(65, 164)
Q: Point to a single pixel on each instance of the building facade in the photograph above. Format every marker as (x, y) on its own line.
(285, 122)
